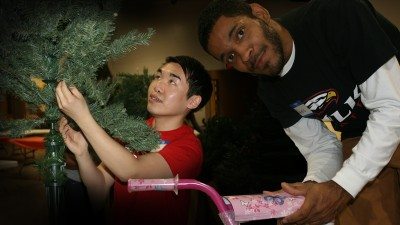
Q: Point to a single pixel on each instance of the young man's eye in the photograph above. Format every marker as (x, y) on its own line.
(156, 76)
(172, 82)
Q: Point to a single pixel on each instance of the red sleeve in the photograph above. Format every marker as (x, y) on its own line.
(184, 156)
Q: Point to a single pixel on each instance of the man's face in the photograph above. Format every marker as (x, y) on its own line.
(248, 44)
(167, 93)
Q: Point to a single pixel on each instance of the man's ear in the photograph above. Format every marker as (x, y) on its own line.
(260, 12)
(194, 101)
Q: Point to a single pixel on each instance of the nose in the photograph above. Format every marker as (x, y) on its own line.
(158, 86)
(244, 52)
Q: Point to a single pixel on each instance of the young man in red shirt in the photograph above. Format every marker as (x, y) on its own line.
(180, 86)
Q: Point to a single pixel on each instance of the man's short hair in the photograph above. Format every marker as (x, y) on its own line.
(213, 11)
(197, 77)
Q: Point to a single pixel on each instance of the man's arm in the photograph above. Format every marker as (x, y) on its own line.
(97, 180)
(113, 155)
(323, 153)
(320, 147)
(381, 95)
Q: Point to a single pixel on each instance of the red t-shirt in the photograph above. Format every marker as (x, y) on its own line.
(183, 153)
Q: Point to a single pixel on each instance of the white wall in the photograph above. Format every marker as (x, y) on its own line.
(390, 9)
(176, 34)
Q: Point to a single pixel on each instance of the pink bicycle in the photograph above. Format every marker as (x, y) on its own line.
(232, 209)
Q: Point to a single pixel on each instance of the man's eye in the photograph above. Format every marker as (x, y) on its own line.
(240, 33)
(156, 76)
(230, 58)
(173, 81)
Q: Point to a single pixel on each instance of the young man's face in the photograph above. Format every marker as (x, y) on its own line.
(167, 93)
(247, 44)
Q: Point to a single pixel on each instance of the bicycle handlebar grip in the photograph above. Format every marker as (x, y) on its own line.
(170, 184)
(260, 207)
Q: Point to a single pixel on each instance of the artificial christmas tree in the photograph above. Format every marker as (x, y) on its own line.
(44, 42)
(131, 90)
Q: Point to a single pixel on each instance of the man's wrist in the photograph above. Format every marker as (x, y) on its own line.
(339, 189)
(310, 181)
(350, 180)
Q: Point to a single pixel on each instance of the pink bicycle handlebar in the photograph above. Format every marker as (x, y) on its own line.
(174, 184)
(232, 209)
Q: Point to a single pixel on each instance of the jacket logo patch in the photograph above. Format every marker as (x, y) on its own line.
(322, 101)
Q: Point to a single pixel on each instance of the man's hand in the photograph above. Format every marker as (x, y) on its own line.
(74, 140)
(323, 201)
(71, 102)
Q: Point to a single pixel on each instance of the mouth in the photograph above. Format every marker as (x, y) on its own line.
(154, 98)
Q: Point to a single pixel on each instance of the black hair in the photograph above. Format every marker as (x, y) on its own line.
(213, 11)
(197, 77)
